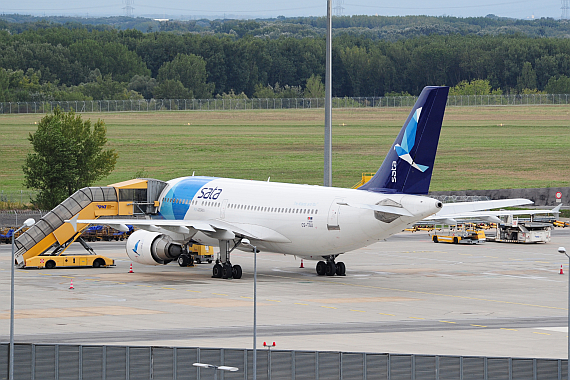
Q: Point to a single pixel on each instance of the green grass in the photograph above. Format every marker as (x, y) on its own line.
(480, 148)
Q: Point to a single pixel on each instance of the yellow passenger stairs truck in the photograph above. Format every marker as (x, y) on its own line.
(129, 198)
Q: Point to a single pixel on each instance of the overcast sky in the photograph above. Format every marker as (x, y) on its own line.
(267, 8)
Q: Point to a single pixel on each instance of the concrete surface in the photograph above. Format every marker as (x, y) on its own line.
(404, 295)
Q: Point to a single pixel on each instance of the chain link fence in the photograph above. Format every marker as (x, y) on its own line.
(152, 105)
(77, 362)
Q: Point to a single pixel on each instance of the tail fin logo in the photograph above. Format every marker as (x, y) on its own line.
(408, 142)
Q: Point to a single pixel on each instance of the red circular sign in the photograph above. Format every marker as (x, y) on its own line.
(558, 195)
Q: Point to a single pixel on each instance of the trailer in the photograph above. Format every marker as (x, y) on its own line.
(522, 232)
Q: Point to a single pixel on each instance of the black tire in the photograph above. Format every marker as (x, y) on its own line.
(455, 240)
(198, 261)
(209, 261)
(227, 271)
(237, 272)
(435, 240)
(330, 269)
(340, 269)
(50, 264)
(217, 271)
(321, 268)
(98, 263)
(183, 260)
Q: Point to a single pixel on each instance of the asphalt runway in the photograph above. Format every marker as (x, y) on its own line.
(404, 295)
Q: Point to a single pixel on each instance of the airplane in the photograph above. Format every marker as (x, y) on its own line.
(448, 215)
(311, 222)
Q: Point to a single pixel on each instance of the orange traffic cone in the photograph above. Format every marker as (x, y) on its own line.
(302, 266)
(131, 269)
(561, 271)
(71, 285)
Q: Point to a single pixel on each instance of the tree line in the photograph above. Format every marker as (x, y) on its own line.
(60, 63)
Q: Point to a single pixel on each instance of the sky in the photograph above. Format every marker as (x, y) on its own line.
(251, 9)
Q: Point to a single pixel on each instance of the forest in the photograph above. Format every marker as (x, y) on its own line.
(47, 60)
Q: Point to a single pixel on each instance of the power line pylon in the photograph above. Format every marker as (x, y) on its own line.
(128, 7)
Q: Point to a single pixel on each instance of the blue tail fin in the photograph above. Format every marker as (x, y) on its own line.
(409, 164)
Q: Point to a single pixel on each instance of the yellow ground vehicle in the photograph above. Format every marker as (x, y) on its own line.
(196, 254)
(468, 236)
(201, 253)
(50, 262)
(559, 223)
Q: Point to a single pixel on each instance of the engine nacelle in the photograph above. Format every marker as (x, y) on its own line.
(152, 248)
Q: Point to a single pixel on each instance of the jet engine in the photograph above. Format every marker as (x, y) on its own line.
(152, 248)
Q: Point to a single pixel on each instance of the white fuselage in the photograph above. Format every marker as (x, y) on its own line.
(300, 220)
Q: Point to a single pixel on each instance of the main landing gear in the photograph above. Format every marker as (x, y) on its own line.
(330, 268)
(223, 267)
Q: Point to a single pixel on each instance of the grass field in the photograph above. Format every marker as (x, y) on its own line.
(480, 148)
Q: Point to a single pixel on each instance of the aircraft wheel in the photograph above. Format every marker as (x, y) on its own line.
(227, 271)
(236, 272)
(434, 238)
(330, 269)
(340, 269)
(183, 260)
(217, 271)
(321, 268)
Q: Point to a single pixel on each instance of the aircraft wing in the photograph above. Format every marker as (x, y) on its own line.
(213, 228)
(492, 216)
(449, 209)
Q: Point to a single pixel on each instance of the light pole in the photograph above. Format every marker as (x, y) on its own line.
(27, 223)
(246, 242)
(563, 250)
(216, 368)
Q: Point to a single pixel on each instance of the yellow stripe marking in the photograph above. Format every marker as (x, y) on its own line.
(542, 262)
(536, 332)
(162, 287)
(220, 294)
(391, 315)
(492, 257)
(193, 291)
(416, 318)
(478, 326)
(502, 328)
(304, 304)
(246, 297)
(447, 322)
(273, 300)
(329, 307)
(360, 311)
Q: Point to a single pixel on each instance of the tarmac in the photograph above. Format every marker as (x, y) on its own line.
(404, 295)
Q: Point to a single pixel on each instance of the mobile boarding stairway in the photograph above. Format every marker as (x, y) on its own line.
(134, 197)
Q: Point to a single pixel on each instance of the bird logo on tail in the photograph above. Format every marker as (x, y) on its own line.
(408, 142)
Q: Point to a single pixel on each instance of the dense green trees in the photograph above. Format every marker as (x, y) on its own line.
(59, 63)
(68, 154)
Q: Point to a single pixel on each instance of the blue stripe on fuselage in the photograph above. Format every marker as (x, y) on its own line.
(186, 189)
